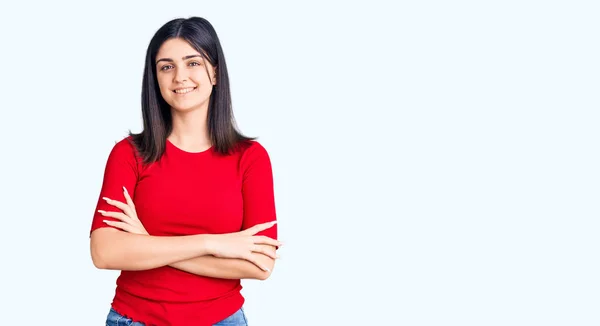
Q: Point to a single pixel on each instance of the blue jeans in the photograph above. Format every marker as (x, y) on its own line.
(116, 319)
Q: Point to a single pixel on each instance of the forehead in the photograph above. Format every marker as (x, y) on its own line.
(175, 48)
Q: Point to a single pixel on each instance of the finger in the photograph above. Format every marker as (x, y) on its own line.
(265, 251)
(257, 263)
(259, 227)
(130, 204)
(122, 206)
(117, 215)
(123, 226)
(277, 256)
(261, 239)
(138, 225)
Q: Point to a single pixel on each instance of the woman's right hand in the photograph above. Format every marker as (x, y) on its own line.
(242, 244)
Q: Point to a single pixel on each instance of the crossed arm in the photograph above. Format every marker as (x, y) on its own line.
(121, 250)
(132, 248)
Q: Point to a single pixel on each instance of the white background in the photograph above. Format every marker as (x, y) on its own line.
(435, 162)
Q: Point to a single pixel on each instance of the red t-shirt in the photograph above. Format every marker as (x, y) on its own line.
(183, 194)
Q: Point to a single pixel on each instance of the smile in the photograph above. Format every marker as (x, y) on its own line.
(184, 90)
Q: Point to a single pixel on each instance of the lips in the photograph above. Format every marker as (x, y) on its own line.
(184, 90)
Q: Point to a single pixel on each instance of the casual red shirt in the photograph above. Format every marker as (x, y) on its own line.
(187, 193)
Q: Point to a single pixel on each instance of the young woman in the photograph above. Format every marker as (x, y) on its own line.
(186, 207)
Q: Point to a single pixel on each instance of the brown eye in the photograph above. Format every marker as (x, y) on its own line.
(194, 63)
(165, 67)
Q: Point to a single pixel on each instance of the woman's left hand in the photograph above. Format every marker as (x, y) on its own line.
(129, 219)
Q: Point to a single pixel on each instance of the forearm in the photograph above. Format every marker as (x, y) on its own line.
(225, 268)
(118, 250)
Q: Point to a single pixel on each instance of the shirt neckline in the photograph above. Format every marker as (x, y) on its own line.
(177, 149)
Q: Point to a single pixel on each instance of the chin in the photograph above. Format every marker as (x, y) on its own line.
(187, 108)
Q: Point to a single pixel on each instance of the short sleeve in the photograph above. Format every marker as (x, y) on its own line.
(120, 171)
(257, 189)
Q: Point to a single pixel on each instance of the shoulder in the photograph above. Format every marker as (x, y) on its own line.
(124, 145)
(252, 149)
(124, 149)
(254, 157)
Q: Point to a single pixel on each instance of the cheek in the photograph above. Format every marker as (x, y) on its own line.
(199, 77)
(163, 88)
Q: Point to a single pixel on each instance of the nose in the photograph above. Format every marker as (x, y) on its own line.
(180, 75)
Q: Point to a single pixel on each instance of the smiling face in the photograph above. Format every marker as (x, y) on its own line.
(182, 76)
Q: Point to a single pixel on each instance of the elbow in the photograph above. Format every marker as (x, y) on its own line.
(99, 264)
(99, 260)
(263, 275)
(99, 250)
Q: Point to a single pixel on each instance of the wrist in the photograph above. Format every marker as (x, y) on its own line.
(205, 244)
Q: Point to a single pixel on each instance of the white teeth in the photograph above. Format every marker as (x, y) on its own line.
(184, 90)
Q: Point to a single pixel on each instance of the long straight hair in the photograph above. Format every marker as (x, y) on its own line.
(156, 112)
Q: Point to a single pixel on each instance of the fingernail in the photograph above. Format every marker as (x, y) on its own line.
(101, 212)
(125, 189)
(105, 221)
(268, 270)
(274, 222)
(105, 198)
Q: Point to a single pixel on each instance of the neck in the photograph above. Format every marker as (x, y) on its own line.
(190, 129)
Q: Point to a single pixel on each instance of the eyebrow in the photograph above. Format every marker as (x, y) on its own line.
(184, 58)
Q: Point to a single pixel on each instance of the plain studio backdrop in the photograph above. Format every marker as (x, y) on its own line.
(435, 162)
